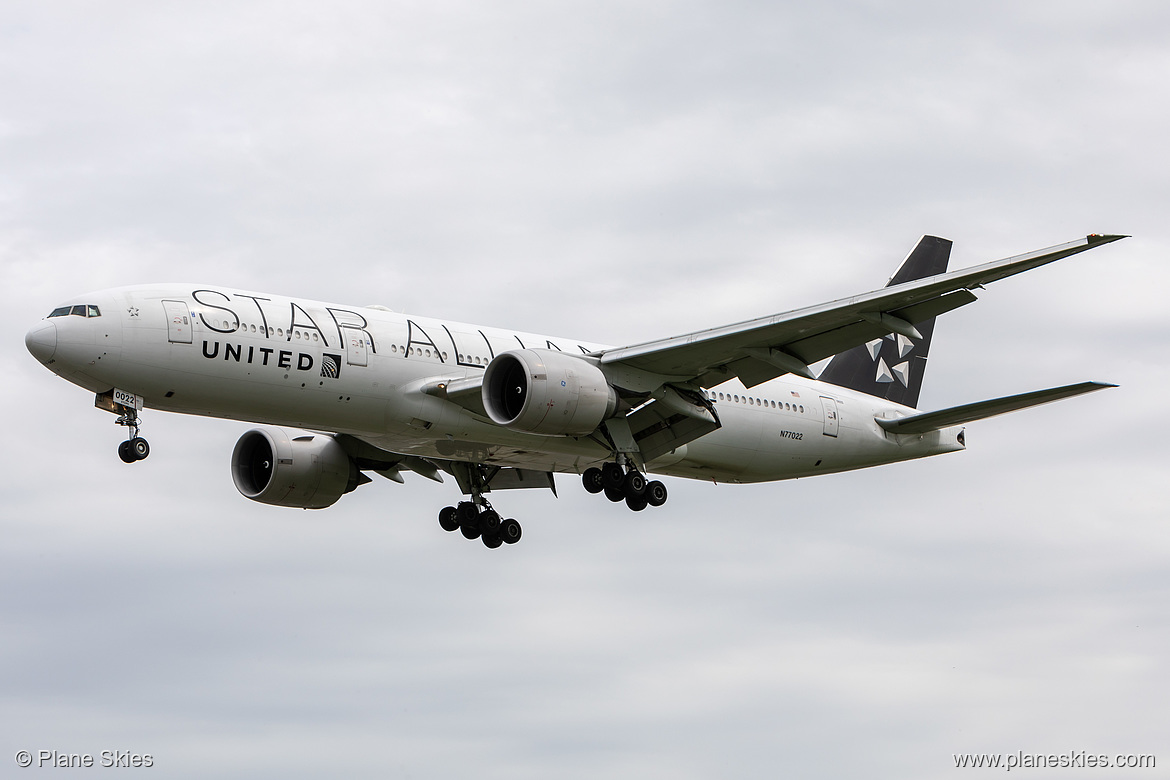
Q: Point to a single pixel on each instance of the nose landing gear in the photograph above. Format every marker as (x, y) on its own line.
(126, 406)
(135, 448)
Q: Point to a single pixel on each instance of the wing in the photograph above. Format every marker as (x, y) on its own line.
(762, 349)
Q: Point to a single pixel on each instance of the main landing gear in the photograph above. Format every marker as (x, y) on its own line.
(624, 484)
(476, 519)
(135, 448)
(480, 522)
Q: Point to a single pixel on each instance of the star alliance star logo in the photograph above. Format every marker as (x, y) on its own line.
(900, 371)
(132, 311)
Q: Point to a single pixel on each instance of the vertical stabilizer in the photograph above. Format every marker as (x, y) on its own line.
(892, 367)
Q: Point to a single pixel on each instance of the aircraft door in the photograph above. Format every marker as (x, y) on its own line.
(356, 347)
(831, 421)
(178, 322)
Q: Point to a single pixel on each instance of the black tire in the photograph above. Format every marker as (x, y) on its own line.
(656, 493)
(615, 494)
(447, 520)
(510, 531)
(612, 476)
(634, 485)
(467, 513)
(125, 453)
(139, 448)
(492, 541)
(637, 503)
(489, 522)
(592, 480)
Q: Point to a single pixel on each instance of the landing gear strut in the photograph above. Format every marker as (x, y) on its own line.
(624, 484)
(135, 448)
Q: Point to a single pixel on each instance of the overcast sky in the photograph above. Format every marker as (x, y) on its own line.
(613, 172)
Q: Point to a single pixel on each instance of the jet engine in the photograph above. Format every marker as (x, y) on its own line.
(547, 392)
(292, 468)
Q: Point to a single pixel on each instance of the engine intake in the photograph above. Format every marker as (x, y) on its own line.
(547, 392)
(306, 470)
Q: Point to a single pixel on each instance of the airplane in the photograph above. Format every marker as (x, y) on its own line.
(342, 391)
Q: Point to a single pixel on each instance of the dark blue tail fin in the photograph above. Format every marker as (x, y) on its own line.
(892, 367)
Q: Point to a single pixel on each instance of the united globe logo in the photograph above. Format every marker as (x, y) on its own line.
(330, 366)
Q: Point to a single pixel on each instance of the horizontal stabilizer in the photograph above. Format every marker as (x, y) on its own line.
(957, 415)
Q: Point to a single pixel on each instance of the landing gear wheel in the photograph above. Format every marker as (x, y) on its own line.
(467, 514)
(139, 448)
(125, 454)
(510, 531)
(634, 485)
(492, 541)
(655, 493)
(593, 481)
(614, 494)
(489, 523)
(612, 476)
(637, 503)
(447, 520)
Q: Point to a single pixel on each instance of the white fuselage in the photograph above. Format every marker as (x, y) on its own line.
(266, 358)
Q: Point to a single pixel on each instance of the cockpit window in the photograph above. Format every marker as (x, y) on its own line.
(81, 310)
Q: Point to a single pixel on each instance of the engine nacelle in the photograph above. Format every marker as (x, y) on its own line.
(547, 392)
(306, 470)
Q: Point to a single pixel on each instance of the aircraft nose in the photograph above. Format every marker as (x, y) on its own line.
(42, 341)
